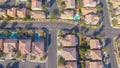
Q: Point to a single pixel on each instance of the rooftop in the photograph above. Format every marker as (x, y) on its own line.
(68, 40)
(68, 54)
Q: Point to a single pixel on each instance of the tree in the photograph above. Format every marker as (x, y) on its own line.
(98, 36)
(114, 22)
(18, 54)
(44, 7)
(99, 8)
(62, 6)
(53, 16)
(60, 33)
(6, 19)
(24, 30)
(80, 4)
(82, 52)
(110, 4)
(105, 49)
(61, 61)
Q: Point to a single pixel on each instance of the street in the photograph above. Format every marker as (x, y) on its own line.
(106, 30)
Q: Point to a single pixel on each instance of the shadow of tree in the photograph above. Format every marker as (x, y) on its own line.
(76, 29)
(38, 66)
(107, 41)
(1, 66)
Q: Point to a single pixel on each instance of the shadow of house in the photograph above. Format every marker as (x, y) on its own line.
(38, 66)
(3, 25)
(47, 39)
(51, 2)
(76, 29)
(29, 26)
(15, 65)
(9, 65)
(107, 41)
(14, 25)
(1, 66)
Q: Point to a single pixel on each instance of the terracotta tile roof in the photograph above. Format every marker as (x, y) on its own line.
(25, 46)
(92, 19)
(68, 54)
(72, 64)
(95, 44)
(10, 45)
(67, 14)
(38, 15)
(69, 65)
(96, 55)
(68, 41)
(38, 48)
(86, 11)
(12, 12)
(89, 3)
(96, 65)
(36, 4)
(21, 13)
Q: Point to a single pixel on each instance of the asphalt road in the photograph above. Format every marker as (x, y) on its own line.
(107, 31)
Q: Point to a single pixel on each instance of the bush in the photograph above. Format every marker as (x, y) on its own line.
(18, 54)
(82, 52)
(6, 19)
(61, 61)
(59, 47)
(33, 57)
(42, 58)
(114, 22)
(99, 8)
(110, 4)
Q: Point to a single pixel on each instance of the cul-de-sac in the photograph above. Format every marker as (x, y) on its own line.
(59, 33)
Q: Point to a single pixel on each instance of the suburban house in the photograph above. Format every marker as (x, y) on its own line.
(38, 15)
(94, 64)
(38, 45)
(12, 12)
(96, 55)
(2, 13)
(86, 11)
(92, 19)
(38, 48)
(10, 46)
(68, 41)
(69, 55)
(67, 14)
(95, 44)
(36, 4)
(68, 51)
(117, 50)
(22, 12)
(70, 4)
(25, 46)
(90, 3)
